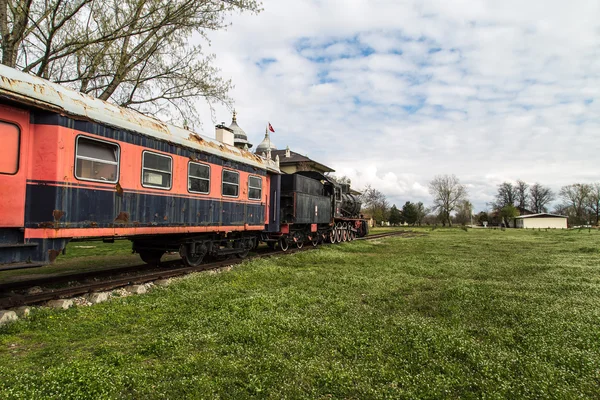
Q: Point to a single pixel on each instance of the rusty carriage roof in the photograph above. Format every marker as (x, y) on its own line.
(29, 89)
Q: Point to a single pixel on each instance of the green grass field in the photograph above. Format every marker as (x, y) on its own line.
(449, 314)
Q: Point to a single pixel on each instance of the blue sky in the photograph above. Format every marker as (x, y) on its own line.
(393, 93)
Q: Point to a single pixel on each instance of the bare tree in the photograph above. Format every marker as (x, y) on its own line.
(342, 180)
(576, 198)
(539, 198)
(375, 203)
(464, 212)
(421, 212)
(135, 53)
(506, 196)
(594, 201)
(447, 192)
(521, 194)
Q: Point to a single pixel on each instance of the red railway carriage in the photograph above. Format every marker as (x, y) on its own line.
(74, 167)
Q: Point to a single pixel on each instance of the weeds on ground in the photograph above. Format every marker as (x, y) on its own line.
(449, 314)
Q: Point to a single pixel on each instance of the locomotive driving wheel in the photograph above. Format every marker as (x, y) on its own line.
(338, 232)
(345, 232)
(332, 235)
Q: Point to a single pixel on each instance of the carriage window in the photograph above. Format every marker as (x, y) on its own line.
(231, 183)
(96, 160)
(338, 194)
(198, 178)
(156, 170)
(254, 188)
(9, 151)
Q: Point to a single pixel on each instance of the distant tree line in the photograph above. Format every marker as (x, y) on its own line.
(580, 202)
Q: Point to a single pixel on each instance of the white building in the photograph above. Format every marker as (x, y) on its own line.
(543, 220)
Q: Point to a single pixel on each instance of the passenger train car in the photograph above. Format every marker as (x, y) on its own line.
(76, 167)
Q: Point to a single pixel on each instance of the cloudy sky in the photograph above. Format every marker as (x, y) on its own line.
(392, 93)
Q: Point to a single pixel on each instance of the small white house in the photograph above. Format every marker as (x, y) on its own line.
(543, 220)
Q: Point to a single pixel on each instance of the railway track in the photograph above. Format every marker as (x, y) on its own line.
(12, 295)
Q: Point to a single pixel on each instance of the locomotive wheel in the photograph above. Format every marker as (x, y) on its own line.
(151, 256)
(345, 237)
(331, 236)
(299, 239)
(283, 244)
(338, 234)
(314, 240)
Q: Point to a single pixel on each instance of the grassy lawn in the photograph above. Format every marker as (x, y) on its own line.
(450, 314)
(81, 256)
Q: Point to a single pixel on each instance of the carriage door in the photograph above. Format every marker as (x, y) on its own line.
(14, 127)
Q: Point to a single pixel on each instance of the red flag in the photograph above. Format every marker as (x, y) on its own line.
(271, 128)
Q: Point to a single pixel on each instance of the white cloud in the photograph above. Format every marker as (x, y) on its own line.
(392, 93)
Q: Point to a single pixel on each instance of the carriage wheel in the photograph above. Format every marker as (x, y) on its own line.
(247, 245)
(151, 256)
(190, 259)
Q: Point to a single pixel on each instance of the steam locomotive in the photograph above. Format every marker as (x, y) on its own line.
(74, 167)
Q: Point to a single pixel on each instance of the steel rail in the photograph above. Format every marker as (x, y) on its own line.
(14, 300)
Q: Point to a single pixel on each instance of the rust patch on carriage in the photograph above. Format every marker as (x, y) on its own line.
(194, 137)
(58, 214)
(153, 124)
(80, 103)
(8, 81)
(119, 189)
(46, 225)
(38, 89)
(123, 217)
(93, 224)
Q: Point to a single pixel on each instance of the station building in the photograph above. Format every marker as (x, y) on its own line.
(542, 220)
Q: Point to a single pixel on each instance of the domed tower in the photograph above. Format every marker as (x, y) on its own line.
(266, 146)
(240, 139)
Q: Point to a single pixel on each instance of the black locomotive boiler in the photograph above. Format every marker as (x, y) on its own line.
(314, 208)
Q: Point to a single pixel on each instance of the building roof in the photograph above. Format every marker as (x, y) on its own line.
(239, 136)
(541, 215)
(29, 89)
(296, 158)
(265, 145)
